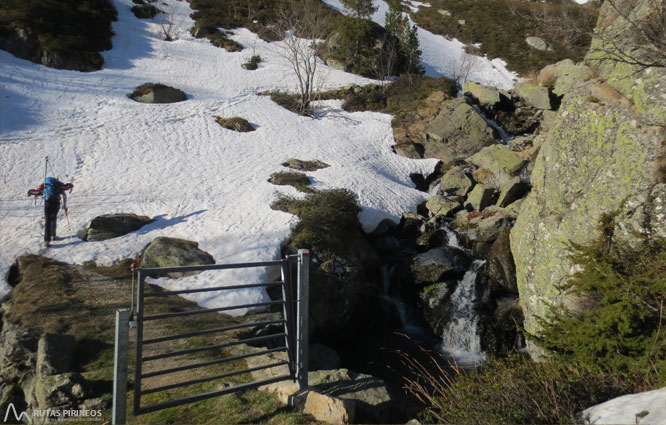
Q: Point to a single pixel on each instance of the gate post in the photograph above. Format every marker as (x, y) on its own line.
(120, 367)
(303, 276)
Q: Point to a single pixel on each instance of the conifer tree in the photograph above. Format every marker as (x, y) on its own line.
(399, 26)
(361, 8)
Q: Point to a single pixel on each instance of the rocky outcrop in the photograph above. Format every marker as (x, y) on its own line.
(603, 153)
(457, 132)
(110, 226)
(300, 165)
(172, 252)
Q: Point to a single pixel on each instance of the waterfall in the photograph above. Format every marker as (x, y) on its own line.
(409, 326)
(504, 135)
(460, 338)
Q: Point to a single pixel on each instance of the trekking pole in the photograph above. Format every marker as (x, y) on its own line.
(46, 166)
(68, 226)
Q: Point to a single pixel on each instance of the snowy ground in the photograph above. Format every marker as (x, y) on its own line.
(173, 162)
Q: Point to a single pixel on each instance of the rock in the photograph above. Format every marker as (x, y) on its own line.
(409, 150)
(323, 358)
(457, 132)
(329, 409)
(157, 93)
(534, 95)
(511, 192)
(171, 252)
(438, 265)
(491, 222)
(501, 161)
(238, 124)
(499, 330)
(565, 75)
(486, 96)
(521, 143)
(409, 226)
(480, 197)
(575, 181)
(461, 22)
(499, 269)
(444, 12)
(145, 11)
(203, 31)
(250, 66)
(432, 239)
(642, 85)
(547, 120)
(109, 226)
(59, 390)
(539, 43)
(387, 245)
(442, 205)
(298, 164)
(54, 354)
(455, 182)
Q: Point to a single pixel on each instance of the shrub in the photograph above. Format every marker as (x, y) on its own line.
(513, 390)
(291, 178)
(327, 218)
(620, 326)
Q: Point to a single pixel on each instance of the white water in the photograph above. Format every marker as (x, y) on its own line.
(460, 338)
(409, 326)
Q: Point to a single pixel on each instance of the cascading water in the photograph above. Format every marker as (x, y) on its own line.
(504, 135)
(409, 326)
(460, 338)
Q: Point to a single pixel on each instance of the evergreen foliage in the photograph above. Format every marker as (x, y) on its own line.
(360, 8)
(398, 25)
(356, 44)
(621, 325)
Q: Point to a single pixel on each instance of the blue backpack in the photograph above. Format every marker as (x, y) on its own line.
(51, 189)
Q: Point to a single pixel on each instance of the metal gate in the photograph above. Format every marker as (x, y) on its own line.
(293, 320)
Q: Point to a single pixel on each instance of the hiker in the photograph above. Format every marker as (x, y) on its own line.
(52, 189)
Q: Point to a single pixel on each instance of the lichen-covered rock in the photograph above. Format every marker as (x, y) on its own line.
(172, 252)
(601, 152)
(643, 85)
(486, 96)
(455, 182)
(480, 197)
(442, 205)
(457, 132)
(537, 96)
(513, 190)
(299, 164)
(501, 161)
(565, 75)
(329, 409)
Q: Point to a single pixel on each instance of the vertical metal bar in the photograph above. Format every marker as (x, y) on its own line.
(139, 341)
(119, 414)
(303, 276)
(287, 316)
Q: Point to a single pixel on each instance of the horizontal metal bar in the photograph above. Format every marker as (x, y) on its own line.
(162, 270)
(212, 378)
(204, 396)
(212, 362)
(212, 347)
(211, 331)
(209, 310)
(212, 289)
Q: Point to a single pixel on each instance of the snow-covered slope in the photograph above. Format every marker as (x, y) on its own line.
(174, 162)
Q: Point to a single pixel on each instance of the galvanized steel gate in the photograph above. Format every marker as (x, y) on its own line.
(294, 335)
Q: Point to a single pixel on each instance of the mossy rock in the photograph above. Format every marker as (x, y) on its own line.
(157, 93)
(172, 252)
(298, 180)
(298, 164)
(236, 124)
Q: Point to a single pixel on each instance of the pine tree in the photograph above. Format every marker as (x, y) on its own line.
(361, 8)
(399, 26)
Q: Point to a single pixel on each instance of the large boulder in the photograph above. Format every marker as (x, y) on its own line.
(499, 160)
(172, 252)
(109, 226)
(486, 96)
(457, 132)
(537, 96)
(603, 153)
(539, 43)
(565, 75)
(443, 205)
(455, 182)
